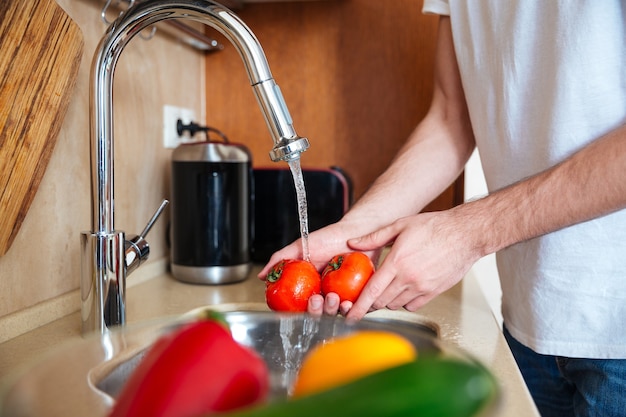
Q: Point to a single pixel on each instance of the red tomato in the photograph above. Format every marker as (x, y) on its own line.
(347, 274)
(289, 285)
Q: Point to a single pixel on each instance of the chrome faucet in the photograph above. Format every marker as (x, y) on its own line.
(106, 256)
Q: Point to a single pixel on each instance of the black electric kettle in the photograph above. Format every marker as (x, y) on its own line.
(211, 201)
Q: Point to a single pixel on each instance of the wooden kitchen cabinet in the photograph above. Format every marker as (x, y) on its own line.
(356, 76)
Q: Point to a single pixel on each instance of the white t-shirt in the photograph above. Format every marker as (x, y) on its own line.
(543, 78)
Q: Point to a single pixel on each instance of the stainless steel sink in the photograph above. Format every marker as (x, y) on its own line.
(283, 340)
(84, 377)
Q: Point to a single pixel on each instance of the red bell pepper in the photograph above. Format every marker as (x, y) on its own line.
(197, 369)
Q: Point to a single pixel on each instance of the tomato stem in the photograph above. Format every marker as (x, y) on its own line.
(275, 273)
(336, 265)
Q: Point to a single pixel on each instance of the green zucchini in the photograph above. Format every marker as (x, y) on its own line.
(426, 387)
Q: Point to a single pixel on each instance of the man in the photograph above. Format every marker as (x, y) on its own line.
(540, 88)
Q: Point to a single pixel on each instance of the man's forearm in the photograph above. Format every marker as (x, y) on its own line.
(429, 162)
(589, 184)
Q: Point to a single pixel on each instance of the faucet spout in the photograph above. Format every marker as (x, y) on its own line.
(103, 267)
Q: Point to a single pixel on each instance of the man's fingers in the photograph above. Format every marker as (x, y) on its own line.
(374, 240)
(372, 292)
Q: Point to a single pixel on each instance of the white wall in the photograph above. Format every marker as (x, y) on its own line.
(485, 269)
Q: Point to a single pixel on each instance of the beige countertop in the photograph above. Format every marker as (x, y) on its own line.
(461, 316)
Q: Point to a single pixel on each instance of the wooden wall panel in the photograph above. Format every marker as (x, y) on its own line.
(356, 76)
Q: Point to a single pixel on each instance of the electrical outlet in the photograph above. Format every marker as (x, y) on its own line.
(171, 115)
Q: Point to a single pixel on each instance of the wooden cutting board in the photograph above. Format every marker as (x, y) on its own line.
(40, 53)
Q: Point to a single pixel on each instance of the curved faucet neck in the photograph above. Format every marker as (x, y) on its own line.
(288, 145)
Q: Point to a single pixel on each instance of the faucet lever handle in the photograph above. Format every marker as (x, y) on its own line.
(137, 249)
(154, 218)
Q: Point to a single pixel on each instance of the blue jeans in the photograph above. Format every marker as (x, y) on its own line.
(570, 386)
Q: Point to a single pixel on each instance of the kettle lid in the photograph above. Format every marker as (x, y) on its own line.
(209, 151)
